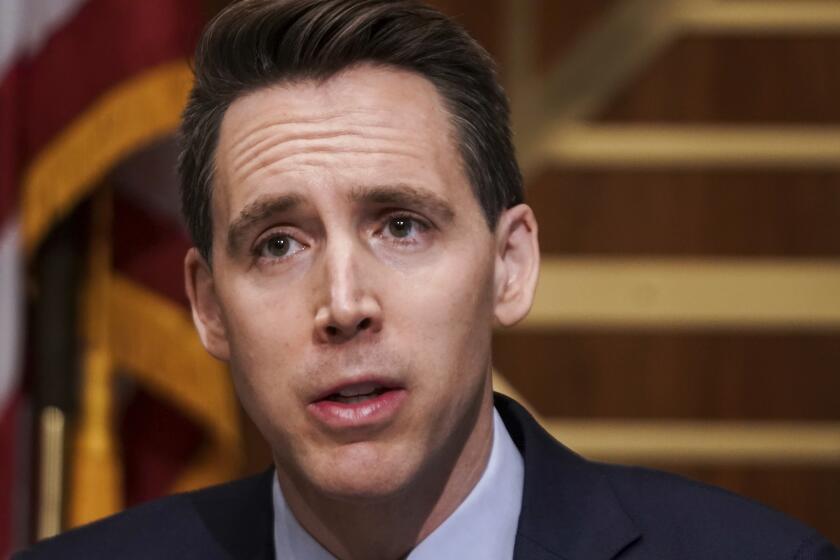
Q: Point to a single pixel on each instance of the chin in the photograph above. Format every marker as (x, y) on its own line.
(361, 472)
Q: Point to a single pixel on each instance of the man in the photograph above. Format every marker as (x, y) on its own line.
(359, 227)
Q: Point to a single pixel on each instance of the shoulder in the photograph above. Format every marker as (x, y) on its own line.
(207, 523)
(579, 508)
(695, 520)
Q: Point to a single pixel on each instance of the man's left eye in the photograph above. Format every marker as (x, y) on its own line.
(401, 226)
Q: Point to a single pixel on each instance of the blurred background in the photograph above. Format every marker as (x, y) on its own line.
(683, 159)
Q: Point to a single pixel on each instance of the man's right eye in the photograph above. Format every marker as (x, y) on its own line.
(278, 247)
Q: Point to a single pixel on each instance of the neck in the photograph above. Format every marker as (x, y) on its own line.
(389, 528)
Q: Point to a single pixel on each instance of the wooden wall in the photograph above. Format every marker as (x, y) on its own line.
(698, 148)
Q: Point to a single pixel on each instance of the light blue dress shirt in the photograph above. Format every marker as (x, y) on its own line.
(482, 527)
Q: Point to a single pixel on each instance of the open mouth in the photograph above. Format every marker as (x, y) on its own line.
(351, 396)
(364, 404)
(357, 393)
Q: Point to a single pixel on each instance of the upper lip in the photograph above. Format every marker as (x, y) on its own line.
(355, 383)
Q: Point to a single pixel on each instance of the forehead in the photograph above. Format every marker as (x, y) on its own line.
(369, 94)
(372, 118)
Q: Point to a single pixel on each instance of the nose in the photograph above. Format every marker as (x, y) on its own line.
(349, 306)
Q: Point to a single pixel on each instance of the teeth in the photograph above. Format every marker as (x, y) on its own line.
(351, 400)
(358, 390)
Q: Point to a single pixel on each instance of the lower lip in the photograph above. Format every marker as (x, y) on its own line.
(368, 413)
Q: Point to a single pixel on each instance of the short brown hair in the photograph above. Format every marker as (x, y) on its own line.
(258, 43)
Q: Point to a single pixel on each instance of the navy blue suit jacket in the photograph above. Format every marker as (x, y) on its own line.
(572, 509)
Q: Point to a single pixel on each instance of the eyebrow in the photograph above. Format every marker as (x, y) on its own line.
(256, 212)
(400, 195)
(405, 196)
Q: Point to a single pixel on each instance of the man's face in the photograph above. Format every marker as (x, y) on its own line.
(353, 278)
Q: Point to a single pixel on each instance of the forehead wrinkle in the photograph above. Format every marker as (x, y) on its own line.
(268, 125)
(262, 133)
(264, 144)
(284, 151)
(270, 143)
(273, 121)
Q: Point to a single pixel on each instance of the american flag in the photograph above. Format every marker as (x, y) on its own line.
(90, 93)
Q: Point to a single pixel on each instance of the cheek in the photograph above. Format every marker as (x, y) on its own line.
(265, 310)
(448, 313)
(457, 293)
(267, 331)
(268, 351)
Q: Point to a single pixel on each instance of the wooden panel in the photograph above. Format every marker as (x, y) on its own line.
(737, 79)
(809, 494)
(687, 294)
(561, 23)
(708, 442)
(750, 213)
(768, 17)
(674, 375)
(483, 20)
(689, 147)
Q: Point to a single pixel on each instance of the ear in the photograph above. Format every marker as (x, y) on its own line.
(517, 264)
(206, 311)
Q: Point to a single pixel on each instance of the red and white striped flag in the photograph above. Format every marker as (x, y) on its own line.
(25, 26)
(84, 85)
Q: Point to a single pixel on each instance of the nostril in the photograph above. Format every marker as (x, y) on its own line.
(363, 324)
(332, 331)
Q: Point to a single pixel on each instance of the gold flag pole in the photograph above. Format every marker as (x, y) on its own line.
(96, 489)
(51, 474)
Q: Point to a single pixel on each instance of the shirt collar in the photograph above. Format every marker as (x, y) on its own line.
(484, 524)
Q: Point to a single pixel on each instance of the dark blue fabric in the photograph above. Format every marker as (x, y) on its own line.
(224, 522)
(572, 509)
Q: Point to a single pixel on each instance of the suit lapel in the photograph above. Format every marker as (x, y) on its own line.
(569, 510)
